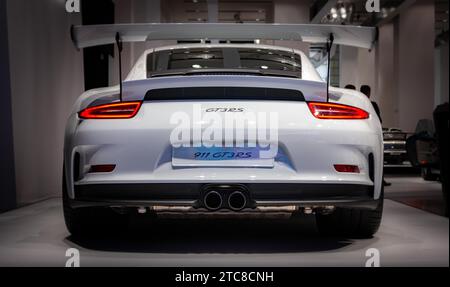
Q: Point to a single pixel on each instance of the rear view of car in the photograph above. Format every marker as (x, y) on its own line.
(223, 128)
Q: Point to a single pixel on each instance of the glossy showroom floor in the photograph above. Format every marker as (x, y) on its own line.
(409, 236)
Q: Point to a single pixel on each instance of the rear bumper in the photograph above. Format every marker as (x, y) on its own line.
(190, 194)
(140, 149)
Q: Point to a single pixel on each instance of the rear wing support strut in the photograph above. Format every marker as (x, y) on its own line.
(329, 46)
(119, 44)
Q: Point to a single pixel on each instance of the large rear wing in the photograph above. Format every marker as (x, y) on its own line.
(94, 35)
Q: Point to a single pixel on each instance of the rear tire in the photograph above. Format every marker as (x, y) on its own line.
(351, 222)
(91, 221)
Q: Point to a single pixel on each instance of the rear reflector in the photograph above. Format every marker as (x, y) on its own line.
(337, 111)
(346, 168)
(102, 168)
(123, 110)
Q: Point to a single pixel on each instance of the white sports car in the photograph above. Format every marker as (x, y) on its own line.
(223, 127)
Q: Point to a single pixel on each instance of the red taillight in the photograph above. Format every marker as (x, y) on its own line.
(123, 110)
(337, 111)
(102, 168)
(346, 168)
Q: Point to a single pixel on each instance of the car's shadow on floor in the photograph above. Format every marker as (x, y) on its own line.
(216, 236)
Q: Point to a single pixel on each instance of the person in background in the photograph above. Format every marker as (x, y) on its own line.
(350, 87)
(366, 90)
(237, 18)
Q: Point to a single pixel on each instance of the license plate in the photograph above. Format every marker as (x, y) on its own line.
(219, 157)
(216, 154)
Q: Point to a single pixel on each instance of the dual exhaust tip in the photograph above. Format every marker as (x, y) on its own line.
(214, 200)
